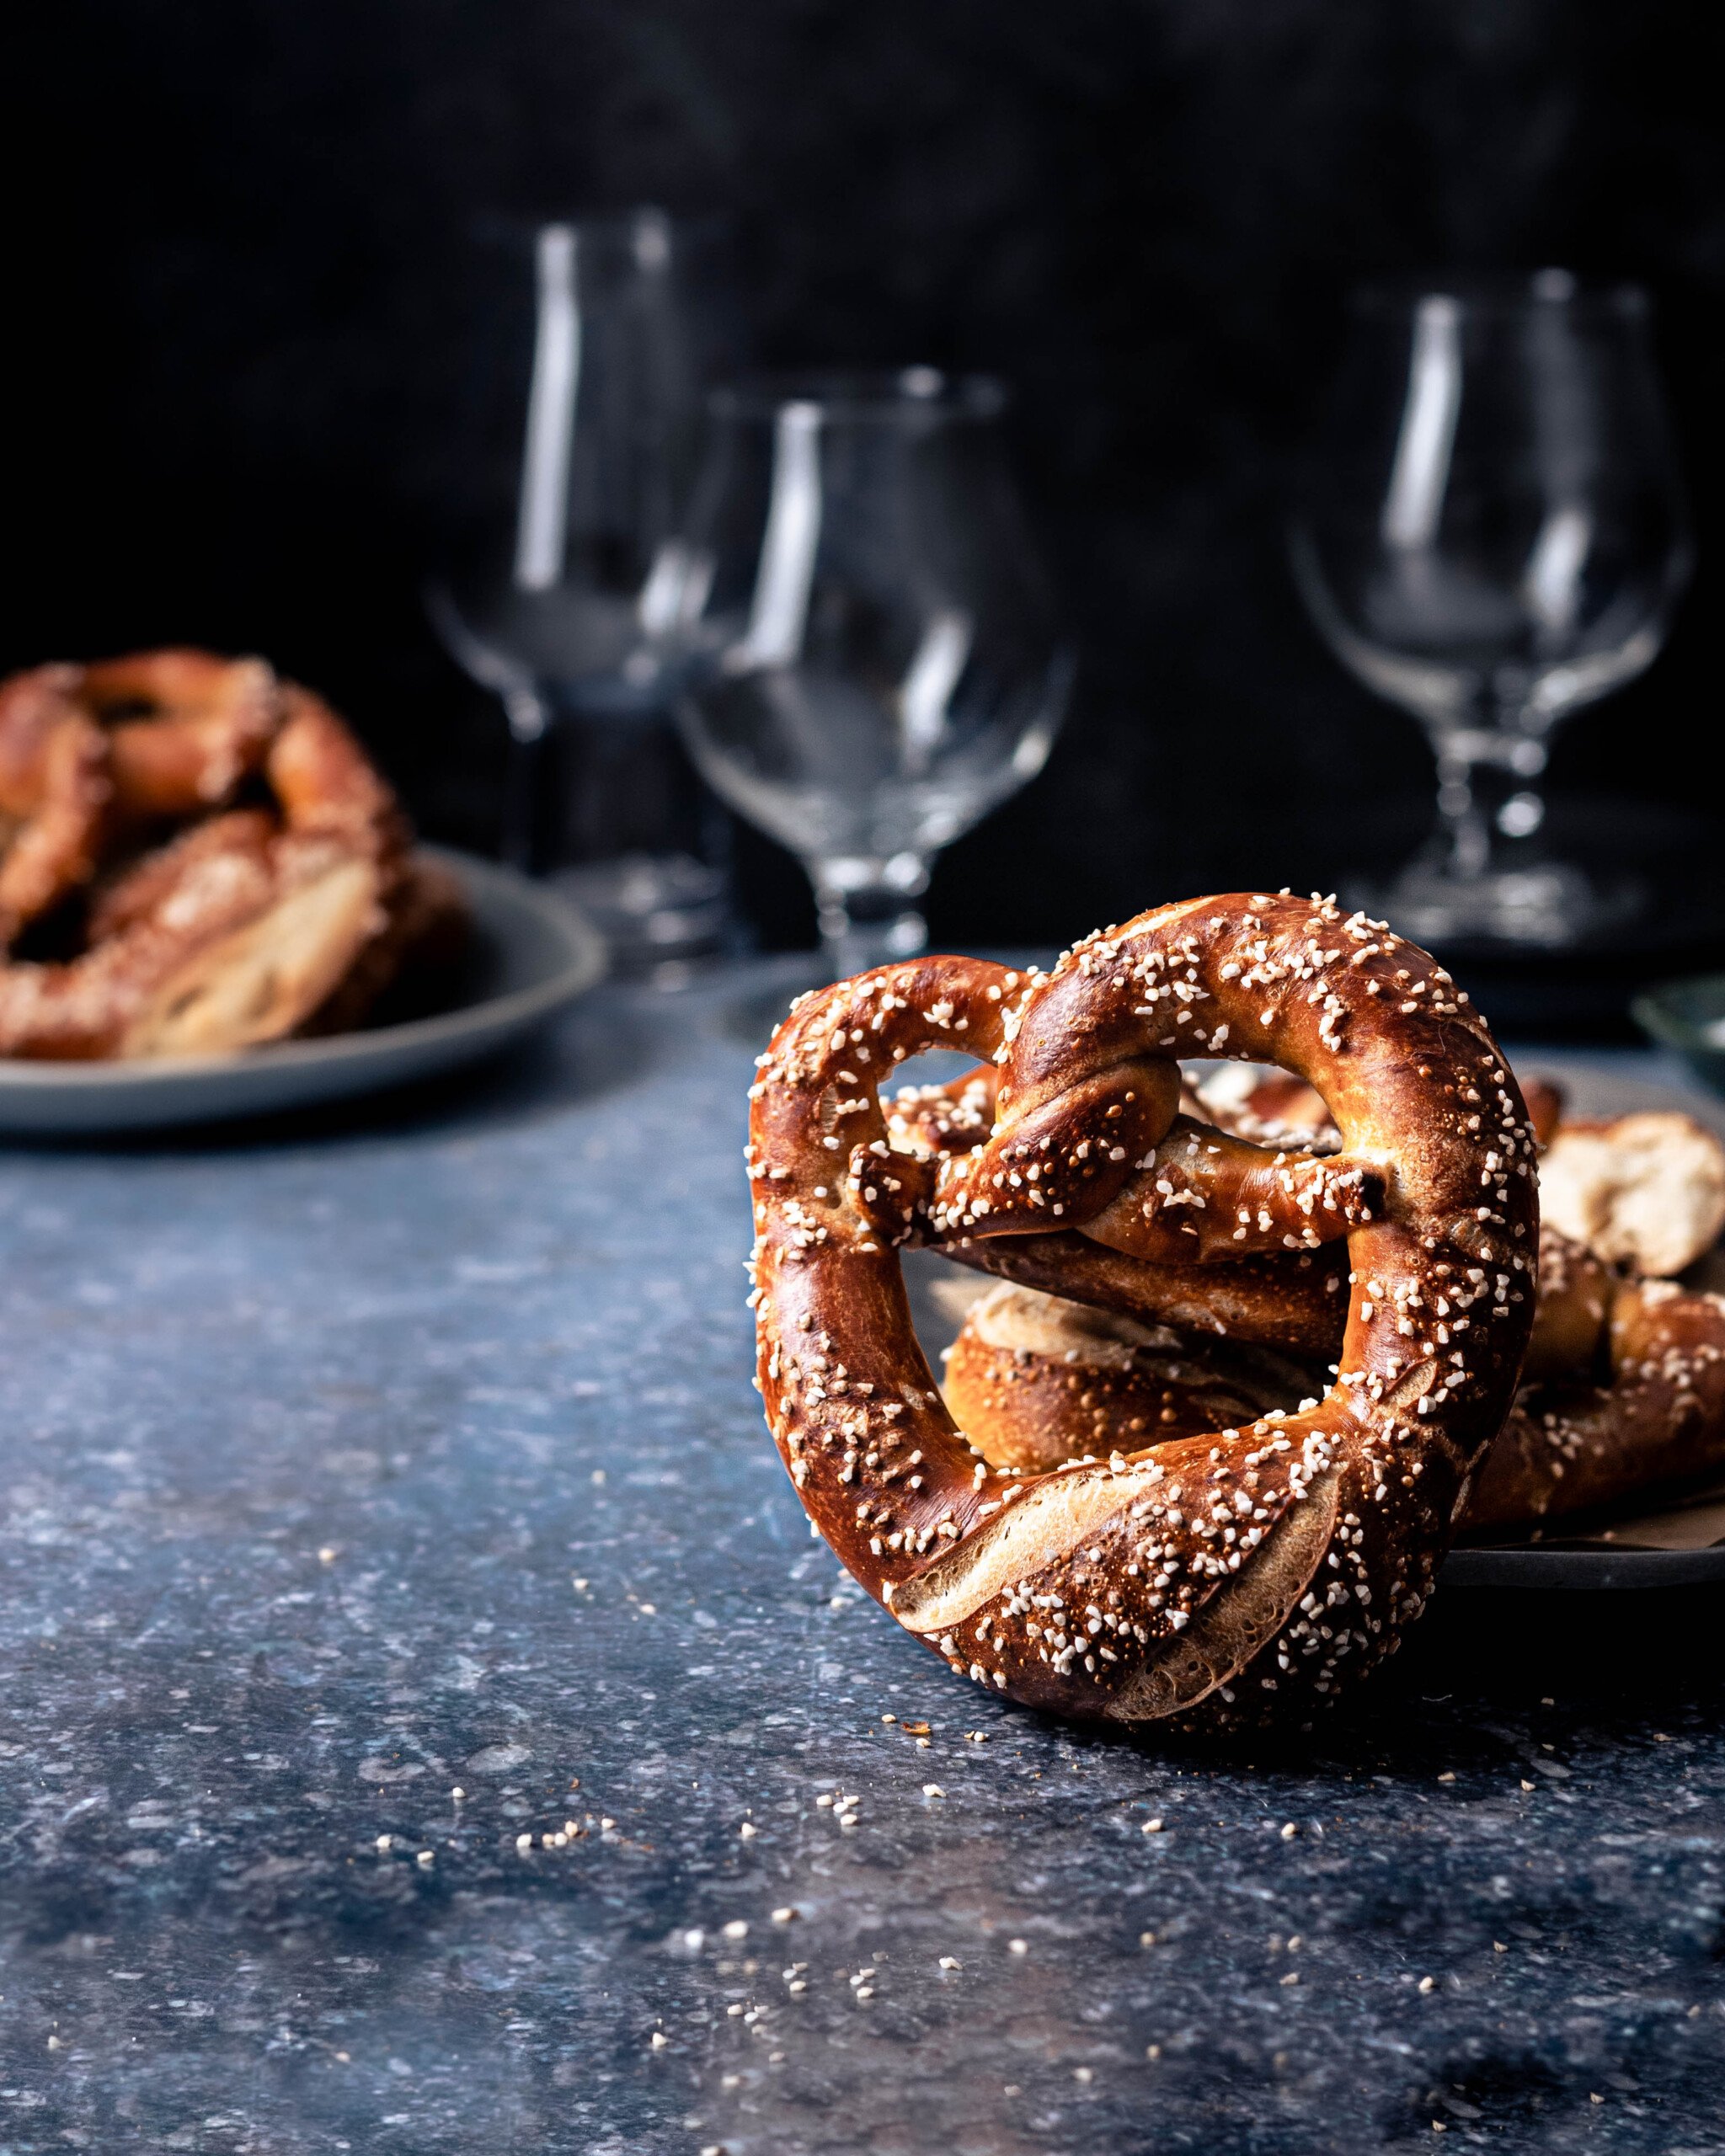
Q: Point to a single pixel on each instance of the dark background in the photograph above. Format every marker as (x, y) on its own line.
(232, 235)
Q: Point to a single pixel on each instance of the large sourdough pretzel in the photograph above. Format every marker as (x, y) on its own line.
(1221, 1575)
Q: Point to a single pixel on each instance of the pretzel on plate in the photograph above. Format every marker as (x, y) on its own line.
(1624, 1387)
(1221, 1575)
(1627, 1395)
(267, 918)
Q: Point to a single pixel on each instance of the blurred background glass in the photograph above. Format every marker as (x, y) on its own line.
(563, 567)
(1491, 535)
(874, 661)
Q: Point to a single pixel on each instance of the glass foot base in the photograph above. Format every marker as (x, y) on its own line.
(1544, 906)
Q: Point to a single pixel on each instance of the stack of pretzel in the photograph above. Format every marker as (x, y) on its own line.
(198, 857)
(1623, 1385)
(1257, 1350)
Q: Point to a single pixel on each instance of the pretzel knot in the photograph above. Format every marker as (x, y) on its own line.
(1220, 1578)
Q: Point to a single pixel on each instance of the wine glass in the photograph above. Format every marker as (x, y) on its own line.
(1491, 535)
(577, 434)
(875, 657)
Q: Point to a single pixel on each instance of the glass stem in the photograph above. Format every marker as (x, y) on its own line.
(1489, 797)
(866, 911)
(529, 717)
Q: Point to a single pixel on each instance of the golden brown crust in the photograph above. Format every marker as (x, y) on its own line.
(87, 751)
(1298, 1305)
(184, 729)
(1575, 1298)
(1272, 1108)
(1200, 1195)
(1182, 1583)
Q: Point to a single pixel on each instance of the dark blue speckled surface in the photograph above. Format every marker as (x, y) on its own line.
(348, 1464)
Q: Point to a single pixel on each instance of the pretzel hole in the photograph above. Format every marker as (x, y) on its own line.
(938, 1066)
(1262, 1102)
(1148, 1386)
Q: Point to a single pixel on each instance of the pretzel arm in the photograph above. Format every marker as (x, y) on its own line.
(1299, 1306)
(184, 728)
(1571, 1447)
(925, 1120)
(56, 850)
(1208, 1197)
(327, 786)
(55, 791)
(177, 766)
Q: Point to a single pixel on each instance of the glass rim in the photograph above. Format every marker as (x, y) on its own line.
(1498, 293)
(889, 395)
(676, 229)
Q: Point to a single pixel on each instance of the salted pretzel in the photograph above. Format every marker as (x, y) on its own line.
(250, 925)
(1218, 1576)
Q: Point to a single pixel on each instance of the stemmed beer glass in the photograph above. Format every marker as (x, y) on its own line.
(578, 429)
(874, 657)
(1491, 535)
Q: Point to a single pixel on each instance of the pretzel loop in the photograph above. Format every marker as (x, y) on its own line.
(1216, 1576)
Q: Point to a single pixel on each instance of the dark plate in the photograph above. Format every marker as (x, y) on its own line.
(1526, 1565)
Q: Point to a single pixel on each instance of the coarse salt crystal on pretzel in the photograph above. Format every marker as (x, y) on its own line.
(1226, 1575)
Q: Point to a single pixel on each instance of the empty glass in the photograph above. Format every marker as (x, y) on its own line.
(1491, 535)
(579, 422)
(876, 662)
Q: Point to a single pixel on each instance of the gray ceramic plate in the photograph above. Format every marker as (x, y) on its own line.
(529, 955)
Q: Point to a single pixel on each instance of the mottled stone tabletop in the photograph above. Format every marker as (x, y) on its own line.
(386, 1494)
